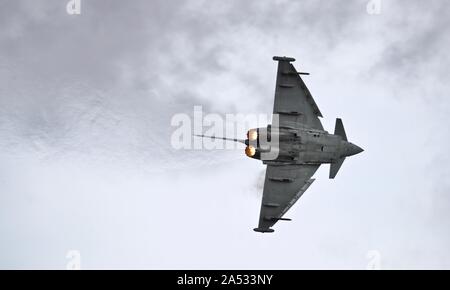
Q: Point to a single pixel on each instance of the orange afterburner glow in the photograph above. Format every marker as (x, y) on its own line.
(252, 135)
(250, 151)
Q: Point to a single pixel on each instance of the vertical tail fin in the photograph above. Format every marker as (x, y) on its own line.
(334, 167)
(339, 129)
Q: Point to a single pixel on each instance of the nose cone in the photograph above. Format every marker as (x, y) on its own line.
(352, 149)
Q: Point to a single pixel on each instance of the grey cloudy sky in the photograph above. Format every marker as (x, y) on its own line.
(86, 162)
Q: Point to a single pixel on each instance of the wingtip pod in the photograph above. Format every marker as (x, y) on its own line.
(283, 58)
(262, 230)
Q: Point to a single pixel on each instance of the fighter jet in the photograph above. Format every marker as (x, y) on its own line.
(294, 146)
